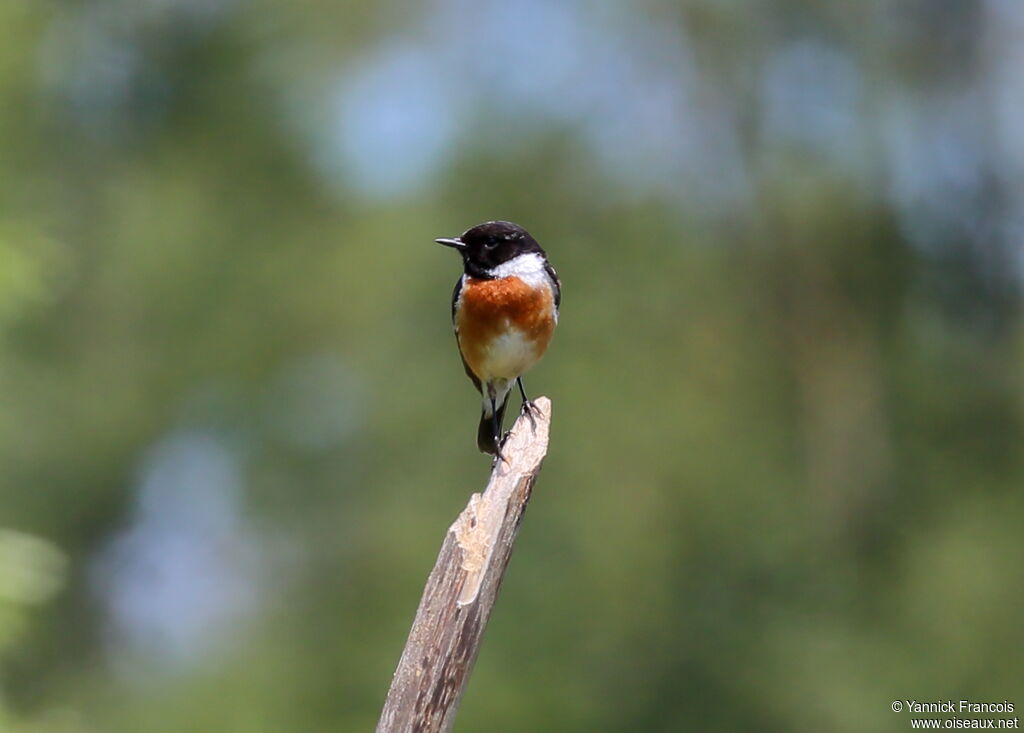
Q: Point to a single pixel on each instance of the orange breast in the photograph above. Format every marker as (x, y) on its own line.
(504, 326)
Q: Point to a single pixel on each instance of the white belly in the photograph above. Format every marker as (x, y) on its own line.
(507, 356)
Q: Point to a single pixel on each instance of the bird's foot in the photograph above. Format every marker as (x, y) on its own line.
(498, 455)
(530, 409)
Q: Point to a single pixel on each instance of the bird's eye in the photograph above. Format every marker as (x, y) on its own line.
(491, 243)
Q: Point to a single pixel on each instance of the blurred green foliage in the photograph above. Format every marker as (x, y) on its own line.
(784, 481)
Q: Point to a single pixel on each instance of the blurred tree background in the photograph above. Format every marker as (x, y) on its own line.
(784, 485)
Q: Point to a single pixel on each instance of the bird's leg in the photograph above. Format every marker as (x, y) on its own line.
(528, 407)
(496, 429)
(527, 403)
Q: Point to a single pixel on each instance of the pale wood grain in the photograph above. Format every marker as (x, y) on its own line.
(463, 586)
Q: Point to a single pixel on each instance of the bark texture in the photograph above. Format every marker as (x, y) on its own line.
(463, 586)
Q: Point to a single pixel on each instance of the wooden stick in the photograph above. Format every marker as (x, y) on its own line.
(463, 586)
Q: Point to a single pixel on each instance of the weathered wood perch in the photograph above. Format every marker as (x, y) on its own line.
(463, 586)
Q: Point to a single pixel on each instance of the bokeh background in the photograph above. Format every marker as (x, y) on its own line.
(784, 485)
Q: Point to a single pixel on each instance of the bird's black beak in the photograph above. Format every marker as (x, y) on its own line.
(451, 242)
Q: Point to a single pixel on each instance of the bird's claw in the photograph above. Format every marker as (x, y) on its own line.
(530, 409)
(499, 456)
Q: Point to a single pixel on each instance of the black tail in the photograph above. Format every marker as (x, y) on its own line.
(485, 437)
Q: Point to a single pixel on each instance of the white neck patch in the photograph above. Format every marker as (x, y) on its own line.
(528, 267)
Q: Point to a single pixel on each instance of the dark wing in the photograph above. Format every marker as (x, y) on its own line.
(455, 301)
(555, 283)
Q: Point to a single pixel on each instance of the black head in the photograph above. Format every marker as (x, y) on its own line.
(488, 245)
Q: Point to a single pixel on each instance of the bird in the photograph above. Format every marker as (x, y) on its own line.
(504, 311)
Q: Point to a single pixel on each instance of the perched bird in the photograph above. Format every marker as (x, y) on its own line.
(504, 310)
